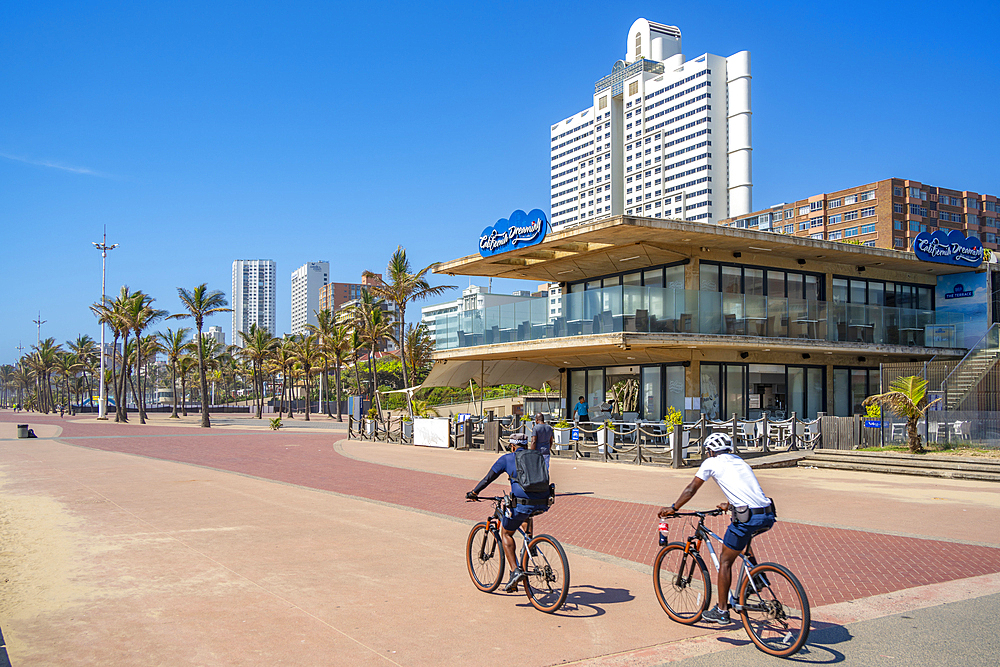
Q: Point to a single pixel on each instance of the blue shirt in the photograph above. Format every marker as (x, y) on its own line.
(506, 464)
(582, 409)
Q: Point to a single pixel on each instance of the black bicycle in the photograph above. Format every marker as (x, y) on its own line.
(542, 559)
(769, 598)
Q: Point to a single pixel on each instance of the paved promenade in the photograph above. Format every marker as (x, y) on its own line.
(167, 543)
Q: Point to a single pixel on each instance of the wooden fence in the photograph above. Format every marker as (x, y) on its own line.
(848, 433)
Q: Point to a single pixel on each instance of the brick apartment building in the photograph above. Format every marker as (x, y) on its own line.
(885, 214)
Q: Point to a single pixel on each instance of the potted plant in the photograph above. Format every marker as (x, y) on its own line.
(674, 419)
(562, 430)
(606, 438)
(370, 422)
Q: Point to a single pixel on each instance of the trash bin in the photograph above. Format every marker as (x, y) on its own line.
(22, 430)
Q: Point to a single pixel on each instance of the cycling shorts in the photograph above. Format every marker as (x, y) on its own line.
(738, 535)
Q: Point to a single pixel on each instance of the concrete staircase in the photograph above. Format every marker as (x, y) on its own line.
(926, 465)
(967, 375)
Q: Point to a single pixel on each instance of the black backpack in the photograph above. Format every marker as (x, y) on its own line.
(532, 474)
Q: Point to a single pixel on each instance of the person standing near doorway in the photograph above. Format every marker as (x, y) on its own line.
(581, 412)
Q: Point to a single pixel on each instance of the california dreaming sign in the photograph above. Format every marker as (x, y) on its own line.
(520, 231)
(948, 248)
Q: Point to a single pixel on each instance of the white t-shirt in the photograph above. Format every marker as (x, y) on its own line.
(736, 480)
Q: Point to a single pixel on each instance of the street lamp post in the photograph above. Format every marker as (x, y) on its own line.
(102, 409)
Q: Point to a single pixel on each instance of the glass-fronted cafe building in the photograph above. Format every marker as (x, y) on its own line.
(712, 320)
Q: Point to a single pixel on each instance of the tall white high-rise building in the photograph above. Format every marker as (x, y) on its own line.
(665, 138)
(253, 296)
(306, 283)
(216, 333)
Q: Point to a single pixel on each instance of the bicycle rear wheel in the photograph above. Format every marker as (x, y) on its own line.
(776, 616)
(547, 570)
(681, 583)
(484, 556)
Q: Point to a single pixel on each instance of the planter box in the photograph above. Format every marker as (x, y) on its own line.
(370, 427)
(562, 436)
(606, 440)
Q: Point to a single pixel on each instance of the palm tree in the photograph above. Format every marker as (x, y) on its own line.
(281, 361)
(308, 355)
(379, 328)
(400, 287)
(323, 329)
(419, 349)
(338, 346)
(185, 365)
(113, 313)
(906, 398)
(175, 343)
(258, 345)
(43, 361)
(201, 303)
(85, 350)
(140, 314)
(67, 365)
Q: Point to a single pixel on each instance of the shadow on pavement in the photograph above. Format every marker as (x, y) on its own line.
(4, 658)
(817, 650)
(588, 601)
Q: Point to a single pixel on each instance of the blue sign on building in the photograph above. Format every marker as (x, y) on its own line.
(520, 231)
(948, 248)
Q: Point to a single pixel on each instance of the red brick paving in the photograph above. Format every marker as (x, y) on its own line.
(834, 565)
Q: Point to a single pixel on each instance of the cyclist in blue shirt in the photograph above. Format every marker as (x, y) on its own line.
(522, 507)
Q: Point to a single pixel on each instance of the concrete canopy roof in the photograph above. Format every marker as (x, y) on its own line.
(623, 243)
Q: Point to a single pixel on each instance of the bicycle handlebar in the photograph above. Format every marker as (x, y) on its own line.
(702, 513)
(480, 499)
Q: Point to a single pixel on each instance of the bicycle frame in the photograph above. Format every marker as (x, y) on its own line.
(703, 534)
(493, 524)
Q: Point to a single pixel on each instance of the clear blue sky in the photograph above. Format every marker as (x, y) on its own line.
(200, 133)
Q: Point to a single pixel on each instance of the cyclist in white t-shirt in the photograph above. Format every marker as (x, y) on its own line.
(752, 511)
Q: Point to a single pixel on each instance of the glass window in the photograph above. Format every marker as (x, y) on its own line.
(653, 278)
(675, 387)
(634, 278)
(815, 391)
(709, 278)
(651, 393)
(840, 290)
(795, 286)
(577, 388)
(711, 390)
(859, 390)
(673, 277)
(776, 283)
(924, 298)
(841, 392)
(734, 391)
(730, 283)
(797, 391)
(753, 282)
(858, 292)
(876, 293)
(595, 390)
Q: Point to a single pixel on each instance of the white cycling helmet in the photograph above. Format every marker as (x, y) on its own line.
(719, 442)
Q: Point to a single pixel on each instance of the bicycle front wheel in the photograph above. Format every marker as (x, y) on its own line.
(681, 582)
(547, 570)
(484, 556)
(775, 610)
